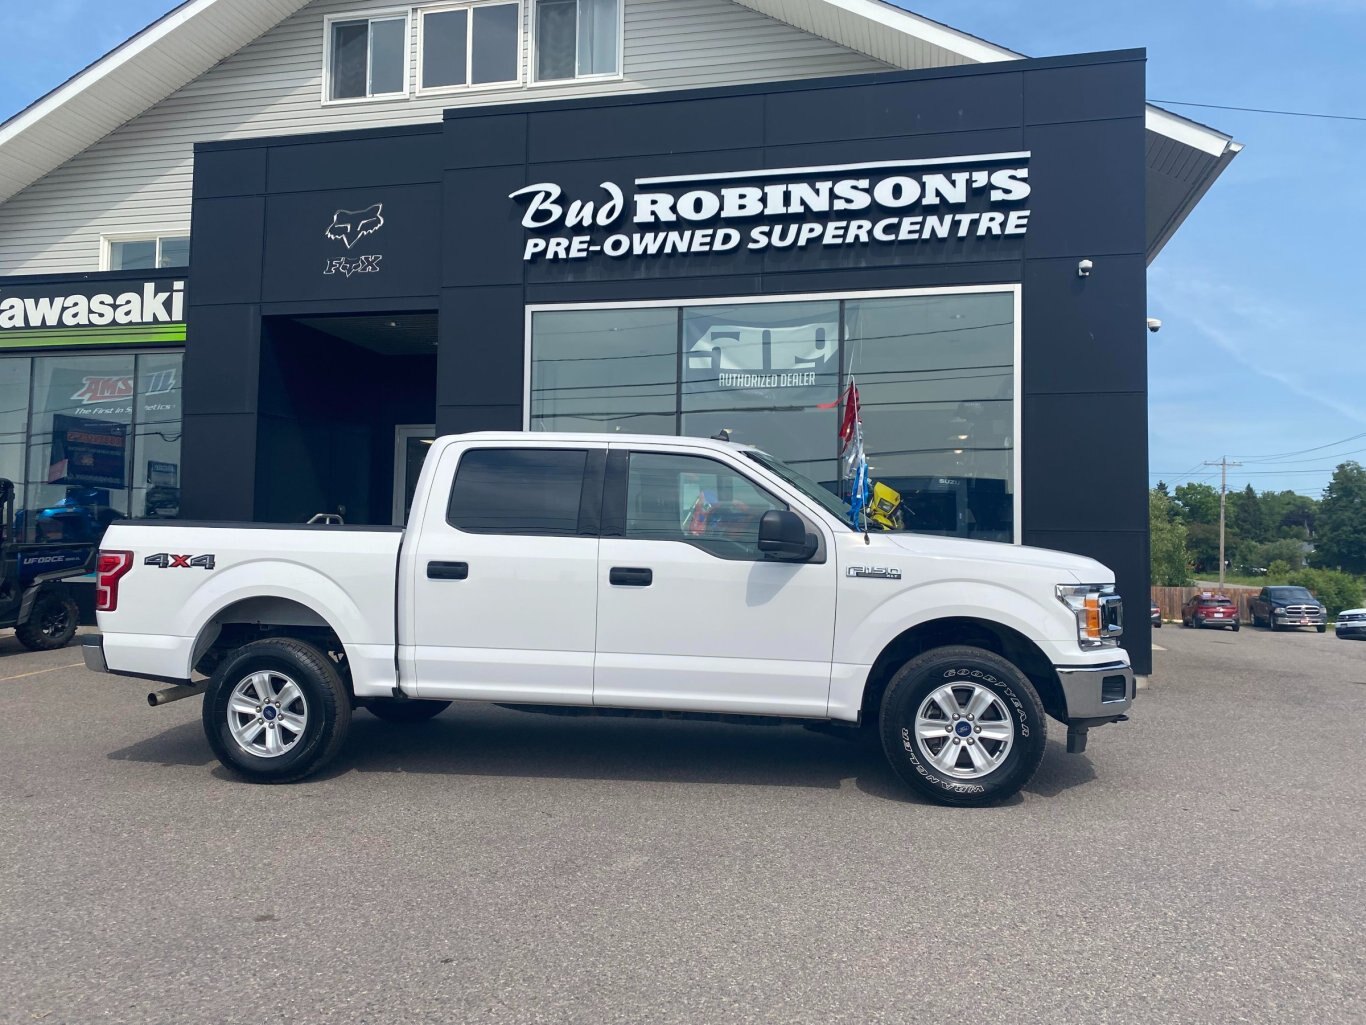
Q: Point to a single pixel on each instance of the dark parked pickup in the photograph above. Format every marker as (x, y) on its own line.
(1287, 606)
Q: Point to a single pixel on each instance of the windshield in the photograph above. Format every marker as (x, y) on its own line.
(837, 507)
(1290, 594)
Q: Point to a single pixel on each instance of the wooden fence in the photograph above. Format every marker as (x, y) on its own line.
(1170, 599)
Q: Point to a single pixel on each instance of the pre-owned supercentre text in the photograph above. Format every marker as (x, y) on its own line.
(691, 217)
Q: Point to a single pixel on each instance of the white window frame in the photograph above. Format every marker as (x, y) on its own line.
(1014, 290)
(107, 243)
(616, 76)
(406, 13)
(468, 5)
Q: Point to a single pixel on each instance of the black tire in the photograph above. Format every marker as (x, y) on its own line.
(1235, 627)
(51, 624)
(922, 676)
(1157, 625)
(1271, 623)
(409, 710)
(1323, 629)
(327, 704)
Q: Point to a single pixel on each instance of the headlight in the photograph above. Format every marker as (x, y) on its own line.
(1277, 612)
(1099, 612)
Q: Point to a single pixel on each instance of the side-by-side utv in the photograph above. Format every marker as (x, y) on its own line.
(34, 600)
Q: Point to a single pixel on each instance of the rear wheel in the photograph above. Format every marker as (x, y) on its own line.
(405, 710)
(962, 726)
(276, 710)
(52, 623)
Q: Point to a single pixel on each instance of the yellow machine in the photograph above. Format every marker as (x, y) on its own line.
(885, 508)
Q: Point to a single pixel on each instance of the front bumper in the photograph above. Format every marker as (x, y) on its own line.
(1351, 630)
(1102, 692)
(92, 648)
(1312, 620)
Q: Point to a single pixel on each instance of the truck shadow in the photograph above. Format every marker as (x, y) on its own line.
(488, 741)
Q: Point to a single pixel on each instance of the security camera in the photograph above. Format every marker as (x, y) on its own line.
(1154, 325)
(1084, 268)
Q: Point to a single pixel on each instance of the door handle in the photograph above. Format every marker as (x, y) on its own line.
(448, 570)
(631, 576)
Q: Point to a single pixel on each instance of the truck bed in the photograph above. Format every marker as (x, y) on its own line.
(187, 573)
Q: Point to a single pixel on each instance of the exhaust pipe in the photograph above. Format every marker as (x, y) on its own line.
(165, 697)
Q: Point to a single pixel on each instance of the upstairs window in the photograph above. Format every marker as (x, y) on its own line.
(368, 57)
(577, 39)
(470, 44)
(147, 253)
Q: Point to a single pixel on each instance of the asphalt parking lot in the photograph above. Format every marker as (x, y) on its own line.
(1203, 863)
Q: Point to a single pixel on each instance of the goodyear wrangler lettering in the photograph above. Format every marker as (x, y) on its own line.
(813, 207)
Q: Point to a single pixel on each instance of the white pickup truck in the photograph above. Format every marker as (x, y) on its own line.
(670, 575)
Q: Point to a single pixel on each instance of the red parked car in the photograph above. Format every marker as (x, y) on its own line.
(1208, 609)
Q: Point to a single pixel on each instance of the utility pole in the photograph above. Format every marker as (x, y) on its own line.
(1223, 465)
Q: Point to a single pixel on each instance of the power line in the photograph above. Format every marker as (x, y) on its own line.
(1270, 457)
(1262, 110)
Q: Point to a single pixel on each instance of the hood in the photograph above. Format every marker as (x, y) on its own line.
(1079, 567)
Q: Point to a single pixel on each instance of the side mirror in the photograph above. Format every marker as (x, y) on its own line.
(782, 534)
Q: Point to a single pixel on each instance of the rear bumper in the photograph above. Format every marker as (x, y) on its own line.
(1097, 692)
(92, 648)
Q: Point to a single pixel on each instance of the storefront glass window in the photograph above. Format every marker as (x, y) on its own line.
(763, 372)
(935, 374)
(88, 439)
(937, 380)
(605, 370)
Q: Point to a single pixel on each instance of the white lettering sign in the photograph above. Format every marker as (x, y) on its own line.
(150, 306)
(901, 201)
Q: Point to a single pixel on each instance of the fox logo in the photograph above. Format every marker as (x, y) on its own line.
(350, 226)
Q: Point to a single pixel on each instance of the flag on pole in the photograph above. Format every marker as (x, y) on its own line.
(853, 460)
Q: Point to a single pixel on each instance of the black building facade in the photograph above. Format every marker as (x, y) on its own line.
(966, 245)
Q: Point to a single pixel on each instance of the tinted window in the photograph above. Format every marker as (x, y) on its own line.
(518, 491)
(1289, 594)
(697, 501)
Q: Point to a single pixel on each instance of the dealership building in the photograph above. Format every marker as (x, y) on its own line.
(256, 258)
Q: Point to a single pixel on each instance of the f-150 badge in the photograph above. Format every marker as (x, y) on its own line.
(875, 572)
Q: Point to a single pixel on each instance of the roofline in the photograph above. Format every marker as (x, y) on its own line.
(964, 44)
(98, 69)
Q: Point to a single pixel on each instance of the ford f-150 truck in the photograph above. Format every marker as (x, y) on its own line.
(587, 572)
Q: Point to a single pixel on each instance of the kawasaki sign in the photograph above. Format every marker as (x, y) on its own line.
(92, 313)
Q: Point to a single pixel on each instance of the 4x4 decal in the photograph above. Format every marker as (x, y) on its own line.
(164, 561)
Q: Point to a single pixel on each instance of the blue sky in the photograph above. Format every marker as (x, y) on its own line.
(1263, 291)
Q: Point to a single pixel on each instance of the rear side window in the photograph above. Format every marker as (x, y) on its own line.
(518, 491)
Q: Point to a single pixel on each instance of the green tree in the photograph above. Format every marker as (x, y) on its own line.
(1199, 503)
(1335, 589)
(1244, 514)
(1340, 532)
(1202, 539)
(1167, 542)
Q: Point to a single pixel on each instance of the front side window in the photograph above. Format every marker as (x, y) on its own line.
(471, 44)
(368, 57)
(518, 491)
(577, 39)
(697, 501)
(149, 253)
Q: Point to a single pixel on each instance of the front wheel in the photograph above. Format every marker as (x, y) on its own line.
(1323, 629)
(51, 624)
(962, 726)
(409, 710)
(276, 710)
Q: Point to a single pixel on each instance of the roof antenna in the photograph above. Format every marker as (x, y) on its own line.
(722, 435)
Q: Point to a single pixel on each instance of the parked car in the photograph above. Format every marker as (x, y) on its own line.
(1285, 605)
(1155, 614)
(606, 573)
(1208, 609)
(1351, 624)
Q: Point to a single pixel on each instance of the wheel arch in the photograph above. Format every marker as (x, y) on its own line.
(245, 619)
(1002, 640)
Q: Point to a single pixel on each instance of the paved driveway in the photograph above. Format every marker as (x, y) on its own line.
(1202, 863)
